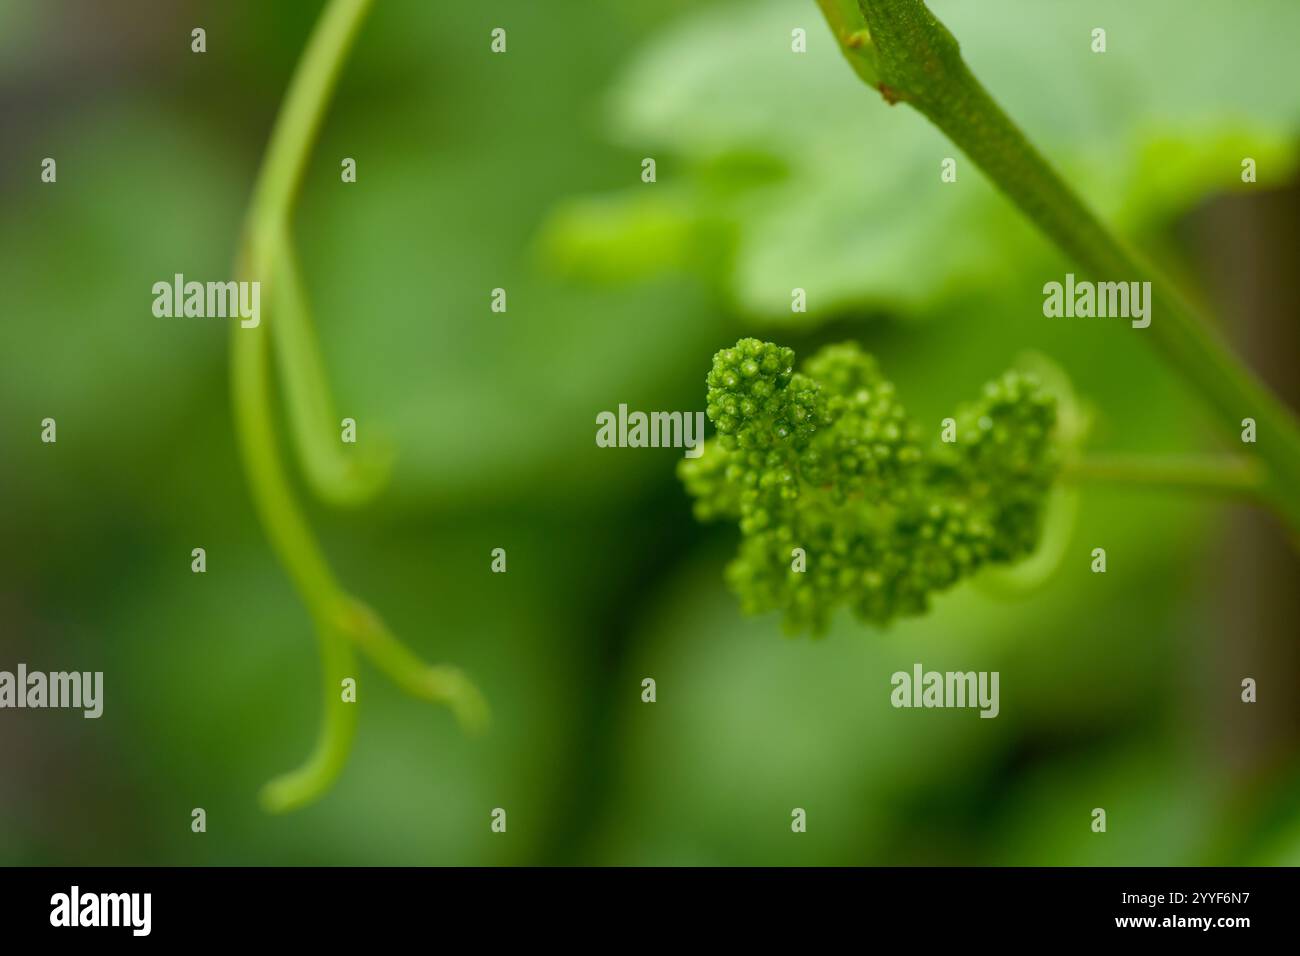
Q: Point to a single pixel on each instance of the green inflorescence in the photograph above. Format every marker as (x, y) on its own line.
(827, 461)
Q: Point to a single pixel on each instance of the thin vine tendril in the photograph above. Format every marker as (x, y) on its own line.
(343, 623)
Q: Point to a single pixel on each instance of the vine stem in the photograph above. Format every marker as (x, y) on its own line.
(1231, 476)
(343, 623)
(901, 49)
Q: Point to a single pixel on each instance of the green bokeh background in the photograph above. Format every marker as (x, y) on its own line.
(522, 171)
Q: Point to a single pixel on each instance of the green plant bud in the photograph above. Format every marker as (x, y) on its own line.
(828, 459)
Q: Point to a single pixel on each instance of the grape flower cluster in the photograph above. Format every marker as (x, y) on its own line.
(839, 499)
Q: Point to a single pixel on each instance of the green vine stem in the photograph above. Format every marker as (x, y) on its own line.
(901, 49)
(1228, 475)
(343, 624)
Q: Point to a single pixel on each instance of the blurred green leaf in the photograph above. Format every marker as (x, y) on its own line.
(1143, 131)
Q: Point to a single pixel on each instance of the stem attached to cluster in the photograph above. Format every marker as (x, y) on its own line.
(901, 49)
(1228, 476)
